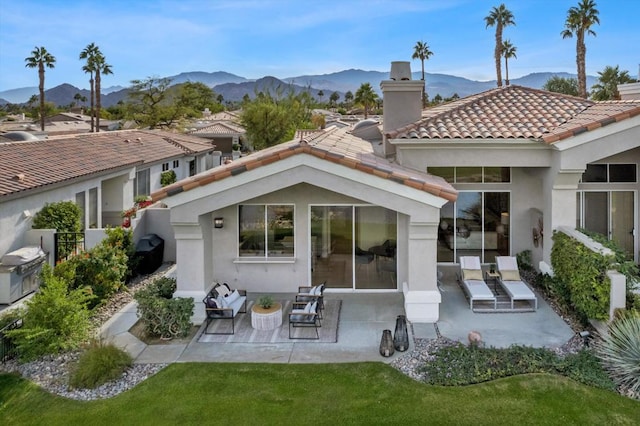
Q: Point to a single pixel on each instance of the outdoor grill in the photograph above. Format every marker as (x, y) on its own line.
(19, 273)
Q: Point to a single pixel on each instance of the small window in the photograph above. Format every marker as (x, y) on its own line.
(469, 174)
(595, 173)
(165, 167)
(622, 173)
(143, 182)
(176, 164)
(447, 173)
(497, 174)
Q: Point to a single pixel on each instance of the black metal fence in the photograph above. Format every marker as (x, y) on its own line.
(68, 244)
(7, 347)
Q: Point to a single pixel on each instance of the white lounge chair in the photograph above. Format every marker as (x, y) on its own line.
(473, 281)
(512, 283)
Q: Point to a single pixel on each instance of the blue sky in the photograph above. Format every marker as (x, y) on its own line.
(286, 38)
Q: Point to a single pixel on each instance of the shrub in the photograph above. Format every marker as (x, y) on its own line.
(583, 271)
(167, 178)
(524, 260)
(123, 239)
(620, 352)
(167, 318)
(585, 367)
(64, 216)
(99, 364)
(55, 320)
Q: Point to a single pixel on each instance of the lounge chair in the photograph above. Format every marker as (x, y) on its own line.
(473, 281)
(222, 303)
(312, 294)
(511, 282)
(304, 315)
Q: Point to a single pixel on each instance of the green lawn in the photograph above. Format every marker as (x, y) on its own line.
(335, 394)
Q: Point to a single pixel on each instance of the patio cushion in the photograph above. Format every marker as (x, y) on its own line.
(472, 274)
(510, 275)
(232, 297)
(223, 289)
(307, 307)
(212, 303)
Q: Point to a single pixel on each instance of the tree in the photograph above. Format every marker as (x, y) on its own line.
(579, 21)
(193, 97)
(149, 106)
(421, 51)
(95, 66)
(77, 98)
(567, 86)
(40, 59)
(348, 98)
(366, 97)
(508, 51)
(333, 98)
(607, 86)
(320, 95)
(499, 17)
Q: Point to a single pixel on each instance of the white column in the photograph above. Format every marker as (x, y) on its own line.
(421, 296)
(190, 266)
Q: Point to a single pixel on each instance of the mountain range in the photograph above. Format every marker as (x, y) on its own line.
(233, 87)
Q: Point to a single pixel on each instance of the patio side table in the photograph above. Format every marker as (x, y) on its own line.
(266, 319)
(494, 277)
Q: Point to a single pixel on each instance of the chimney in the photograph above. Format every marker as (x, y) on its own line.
(402, 100)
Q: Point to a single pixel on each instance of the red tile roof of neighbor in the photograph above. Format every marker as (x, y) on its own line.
(36, 164)
(515, 112)
(219, 128)
(334, 145)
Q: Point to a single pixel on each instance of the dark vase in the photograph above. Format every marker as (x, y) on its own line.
(401, 336)
(386, 344)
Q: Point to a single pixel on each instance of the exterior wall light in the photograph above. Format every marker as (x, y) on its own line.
(218, 222)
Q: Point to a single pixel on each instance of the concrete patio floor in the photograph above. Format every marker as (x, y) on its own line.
(363, 317)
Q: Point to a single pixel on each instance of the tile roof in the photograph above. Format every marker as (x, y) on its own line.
(219, 128)
(35, 164)
(336, 145)
(516, 112)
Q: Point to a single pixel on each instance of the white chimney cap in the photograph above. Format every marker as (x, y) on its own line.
(400, 70)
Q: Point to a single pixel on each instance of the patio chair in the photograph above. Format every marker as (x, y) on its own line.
(511, 282)
(222, 303)
(312, 294)
(473, 281)
(304, 315)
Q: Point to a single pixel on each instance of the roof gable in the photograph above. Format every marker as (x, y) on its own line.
(333, 145)
(515, 112)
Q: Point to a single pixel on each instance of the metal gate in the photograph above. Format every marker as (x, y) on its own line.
(68, 244)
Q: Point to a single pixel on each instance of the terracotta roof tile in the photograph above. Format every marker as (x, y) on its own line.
(515, 112)
(60, 159)
(334, 145)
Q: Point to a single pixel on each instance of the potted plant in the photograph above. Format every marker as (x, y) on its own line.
(265, 302)
(492, 268)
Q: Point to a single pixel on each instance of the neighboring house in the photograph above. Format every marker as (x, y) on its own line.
(223, 134)
(364, 208)
(101, 172)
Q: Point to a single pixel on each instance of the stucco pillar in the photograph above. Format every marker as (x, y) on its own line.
(190, 250)
(421, 296)
(560, 205)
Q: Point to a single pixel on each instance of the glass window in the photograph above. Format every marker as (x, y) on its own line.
(176, 164)
(447, 173)
(622, 173)
(595, 173)
(142, 183)
(266, 230)
(165, 167)
(497, 174)
(468, 174)
(81, 205)
(93, 208)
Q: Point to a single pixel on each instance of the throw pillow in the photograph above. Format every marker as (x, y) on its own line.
(472, 274)
(212, 303)
(307, 307)
(314, 307)
(232, 297)
(510, 275)
(312, 290)
(222, 289)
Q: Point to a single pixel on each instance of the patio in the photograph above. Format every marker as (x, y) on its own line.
(363, 316)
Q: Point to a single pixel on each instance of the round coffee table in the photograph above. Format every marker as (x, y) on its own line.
(266, 319)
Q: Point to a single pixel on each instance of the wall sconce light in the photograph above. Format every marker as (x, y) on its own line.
(218, 222)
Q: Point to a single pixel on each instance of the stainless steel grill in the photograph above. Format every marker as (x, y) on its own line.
(19, 273)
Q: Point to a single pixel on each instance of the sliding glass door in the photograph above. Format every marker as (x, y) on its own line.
(353, 247)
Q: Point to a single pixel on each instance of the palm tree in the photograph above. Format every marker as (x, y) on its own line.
(500, 17)
(366, 97)
(508, 51)
(578, 23)
(101, 68)
(40, 58)
(89, 54)
(421, 51)
(607, 86)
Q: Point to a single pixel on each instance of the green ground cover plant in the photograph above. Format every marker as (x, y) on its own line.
(161, 314)
(319, 394)
(458, 365)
